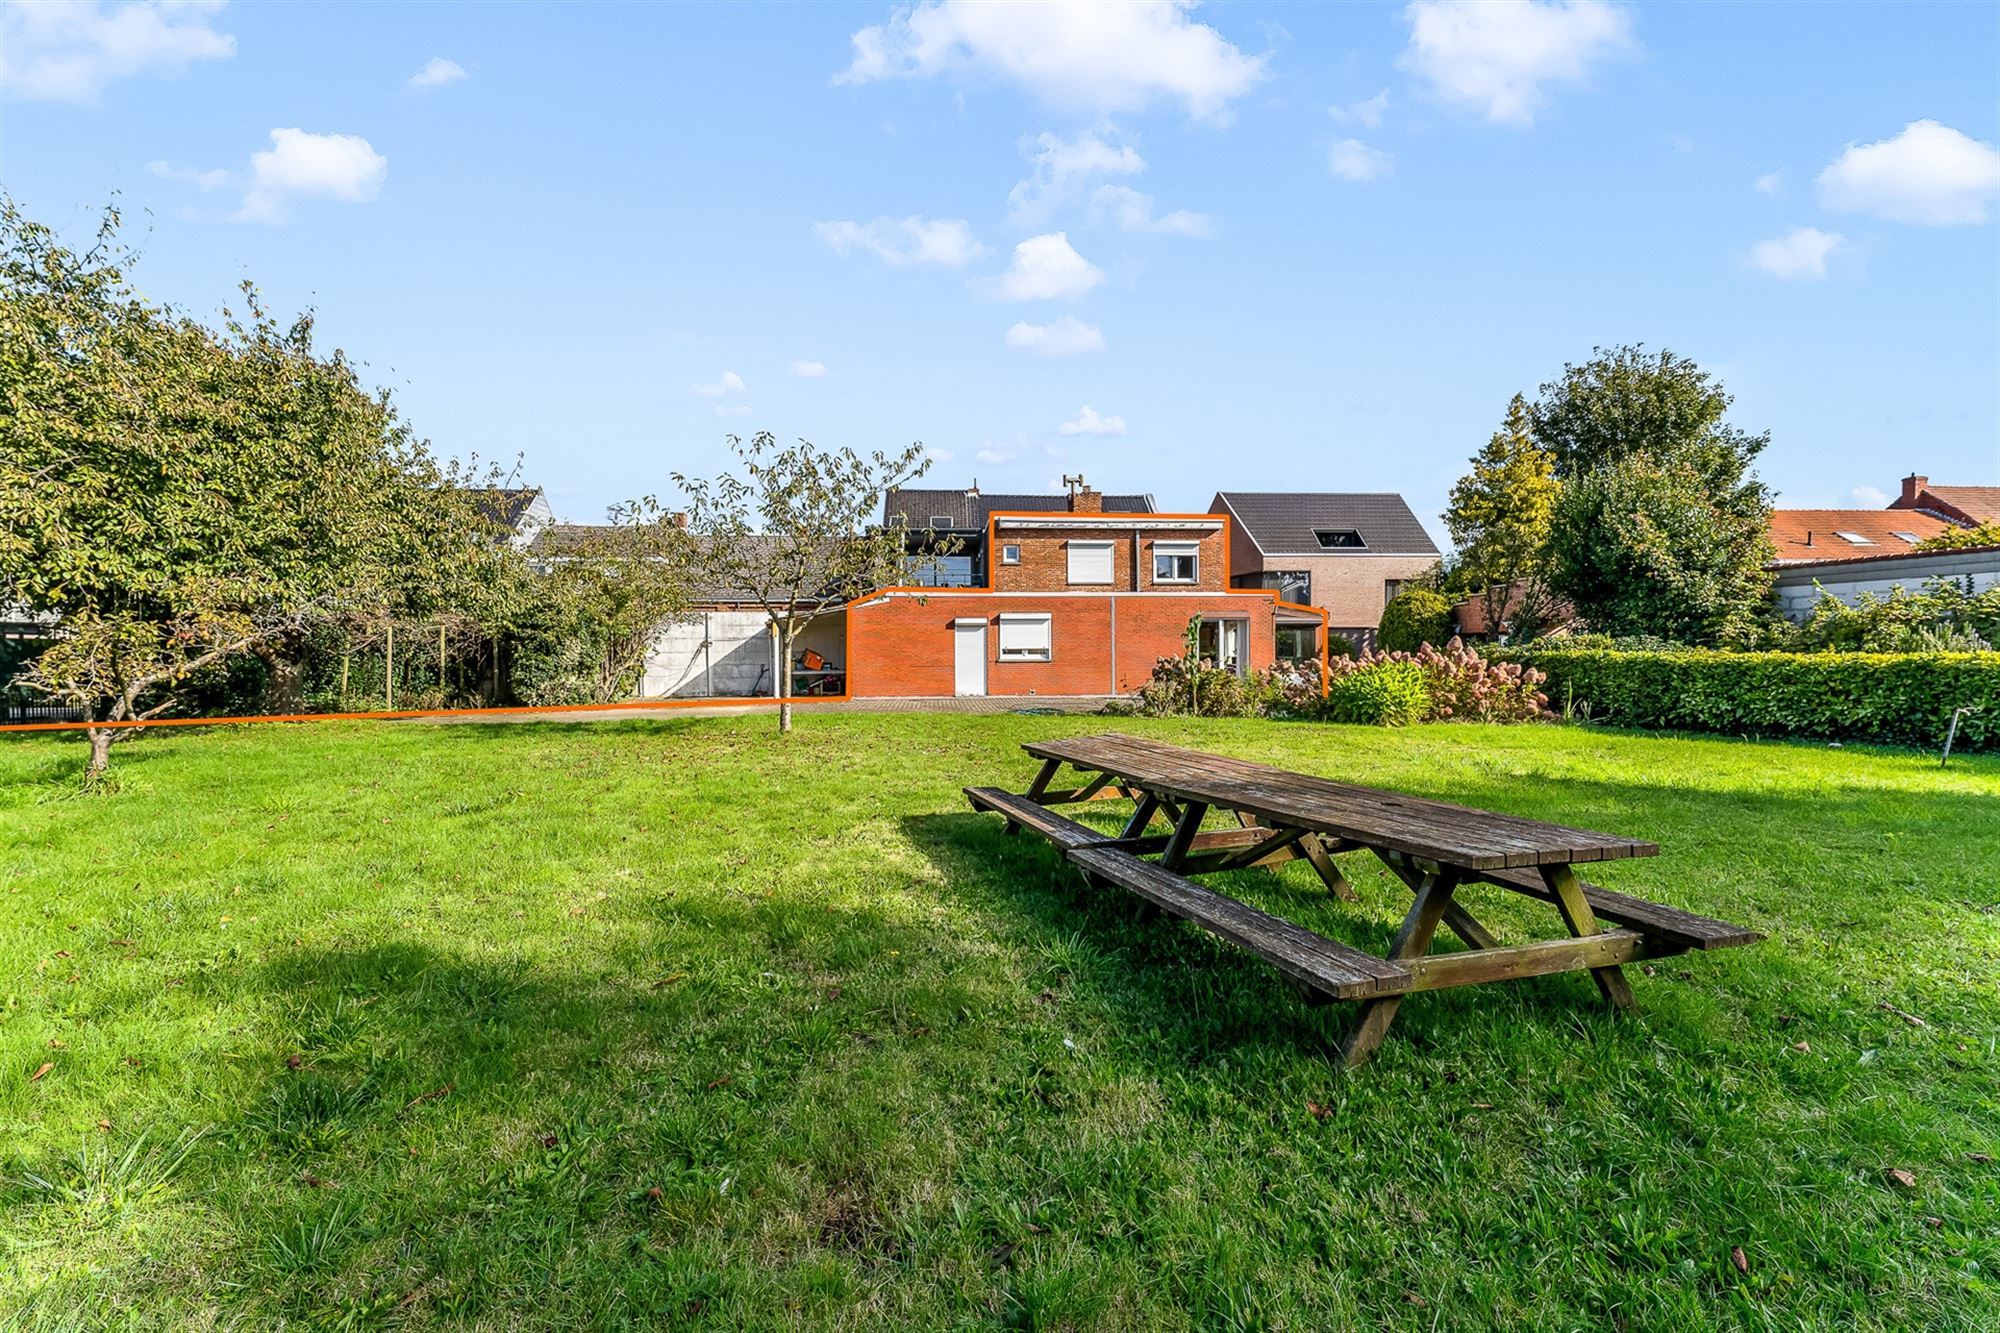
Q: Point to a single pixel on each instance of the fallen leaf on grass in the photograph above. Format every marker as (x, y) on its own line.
(430, 1096)
(1740, 1259)
(1482, 1106)
(1318, 1111)
(56, 1043)
(36, 1077)
(1802, 1046)
(1934, 1222)
(721, 1082)
(308, 1178)
(668, 981)
(104, 1126)
(62, 953)
(293, 1061)
(1898, 1176)
(1979, 1157)
(1002, 1252)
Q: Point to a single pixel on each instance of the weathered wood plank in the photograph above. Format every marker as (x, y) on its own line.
(1605, 949)
(1412, 940)
(1576, 914)
(1325, 965)
(1668, 924)
(1024, 813)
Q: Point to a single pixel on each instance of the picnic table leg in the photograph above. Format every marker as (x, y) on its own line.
(1412, 940)
(1576, 914)
(1035, 790)
(1185, 827)
(1142, 815)
(1329, 869)
(1462, 923)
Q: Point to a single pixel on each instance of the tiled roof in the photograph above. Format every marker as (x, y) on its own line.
(504, 504)
(1284, 522)
(1979, 504)
(1816, 534)
(968, 510)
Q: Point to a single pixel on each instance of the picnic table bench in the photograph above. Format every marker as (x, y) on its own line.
(1432, 846)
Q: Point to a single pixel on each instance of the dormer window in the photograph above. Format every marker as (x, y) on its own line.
(1339, 539)
(1853, 538)
(940, 520)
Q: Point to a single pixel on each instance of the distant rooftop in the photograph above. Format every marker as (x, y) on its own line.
(966, 510)
(1327, 522)
(1842, 534)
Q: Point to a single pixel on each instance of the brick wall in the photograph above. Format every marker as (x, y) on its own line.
(1044, 563)
(900, 645)
(1350, 587)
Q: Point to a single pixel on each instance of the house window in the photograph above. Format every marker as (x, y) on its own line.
(1298, 643)
(1292, 585)
(1339, 539)
(1390, 587)
(1090, 562)
(1909, 537)
(1024, 638)
(1854, 538)
(1010, 554)
(941, 520)
(1176, 562)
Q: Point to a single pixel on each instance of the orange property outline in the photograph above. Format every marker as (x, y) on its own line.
(846, 611)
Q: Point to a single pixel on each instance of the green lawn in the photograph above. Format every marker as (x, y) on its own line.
(681, 1024)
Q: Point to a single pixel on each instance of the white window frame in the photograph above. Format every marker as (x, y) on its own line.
(1039, 648)
(1109, 550)
(941, 521)
(1010, 553)
(1853, 538)
(1192, 550)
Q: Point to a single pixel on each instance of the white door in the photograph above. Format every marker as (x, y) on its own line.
(968, 642)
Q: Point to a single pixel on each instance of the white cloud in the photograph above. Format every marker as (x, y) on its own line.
(1366, 114)
(1045, 268)
(1930, 174)
(436, 73)
(1133, 211)
(732, 409)
(1088, 422)
(303, 165)
(995, 454)
(1353, 160)
(913, 240)
(68, 52)
(1067, 336)
(1799, 254)
(809, 370)
(1771, 182)
(731, 382)
(1064, 167)
(1873, 496)
(1101, 57)
(940, 456)
(1497, 56)
(201, 180)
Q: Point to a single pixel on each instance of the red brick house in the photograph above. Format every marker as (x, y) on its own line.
(1073, 601)
(1966, 506)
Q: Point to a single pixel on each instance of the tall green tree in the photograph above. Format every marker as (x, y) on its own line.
(172, 496)
(795, 534)
(603, 595)
(1499, 520)
(1662, 526)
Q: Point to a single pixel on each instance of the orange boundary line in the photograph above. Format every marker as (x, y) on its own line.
(846, 611)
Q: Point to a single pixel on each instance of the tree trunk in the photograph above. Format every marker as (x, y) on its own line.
(784, 676)
(100, 753)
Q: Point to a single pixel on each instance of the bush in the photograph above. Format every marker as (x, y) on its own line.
(1904, 699)
(1413, 618)
(1947, 616)
(1387, 694)
(1339, 645)
(1180, 687)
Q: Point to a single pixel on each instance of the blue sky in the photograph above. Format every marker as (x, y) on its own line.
(1259, 247)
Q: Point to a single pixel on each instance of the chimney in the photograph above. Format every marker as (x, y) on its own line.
(1083, 500)
(1913, 488)
(1809, 537)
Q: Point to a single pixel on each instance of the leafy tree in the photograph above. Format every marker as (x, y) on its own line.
(795, 533)
(172, 497)
(603, 595)
(1499, 518)
(1413, 618)
(1662, 526)
(1641, 547)
(1958, 539)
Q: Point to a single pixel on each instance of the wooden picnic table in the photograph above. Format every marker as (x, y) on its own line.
(1432, 846)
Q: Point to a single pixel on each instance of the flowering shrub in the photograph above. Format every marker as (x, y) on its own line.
(1383, 693)
(1465, 687)
(1185, 687)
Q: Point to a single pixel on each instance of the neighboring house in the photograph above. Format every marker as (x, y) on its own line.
(1074, 598)
(518, 514)
(1346, 554)
(1967, 506)
(1800, 582)
(955, 521)
(1840, 534)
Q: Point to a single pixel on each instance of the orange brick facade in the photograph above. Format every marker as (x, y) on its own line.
(900, 644)
(1044, 565)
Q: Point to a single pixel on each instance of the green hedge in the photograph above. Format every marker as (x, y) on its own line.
(1897, 698)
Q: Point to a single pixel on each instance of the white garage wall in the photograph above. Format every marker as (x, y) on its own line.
(727, 654)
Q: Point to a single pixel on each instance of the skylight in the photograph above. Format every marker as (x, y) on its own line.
(1909, 537)
(1334, 539)
(1854, 537)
